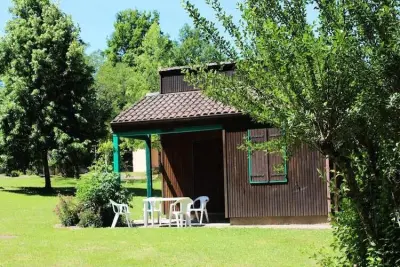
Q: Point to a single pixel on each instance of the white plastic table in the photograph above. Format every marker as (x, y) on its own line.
(147, 201)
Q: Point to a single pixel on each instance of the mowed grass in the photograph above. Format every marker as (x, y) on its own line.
(28, 237)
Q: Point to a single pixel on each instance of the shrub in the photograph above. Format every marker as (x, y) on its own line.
(90, 218)
(67, 210)
(14, 173)
(95, 192)
(31, 172)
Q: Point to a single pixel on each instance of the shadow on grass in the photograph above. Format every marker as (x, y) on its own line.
(40, 191)
(69, 191)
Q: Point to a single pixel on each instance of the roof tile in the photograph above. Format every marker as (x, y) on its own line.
(174, 106)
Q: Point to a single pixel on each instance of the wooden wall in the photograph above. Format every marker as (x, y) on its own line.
(305, 193)
(173, 82)
(192, 165)
(155, 160)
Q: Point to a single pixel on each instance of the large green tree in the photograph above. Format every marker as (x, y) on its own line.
(130, 27)
(155, 53)
(333, 84)
(96, 59)
(47, 103)
(114, 84)
(193, 47)
(123, 84)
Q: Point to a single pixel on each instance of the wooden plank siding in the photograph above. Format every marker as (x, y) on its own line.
(178, 167)
(174, 82)
(304, 194)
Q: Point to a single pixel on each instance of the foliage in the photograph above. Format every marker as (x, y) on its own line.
(105, 153)
(99, 165)
(155, 52)
(332, 84)
(95, 192)
(90, 218)
(115, 85)
(91, 206)
(131, 26)
(122, 83)
(48, 103)
(96, 59)
(14, 173)
(67, 210)
(193, 47)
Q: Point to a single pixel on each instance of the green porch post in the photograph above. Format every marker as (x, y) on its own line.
(148, 166)
(116, 156)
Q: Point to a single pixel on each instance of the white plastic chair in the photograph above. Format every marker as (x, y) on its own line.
(120, 209)
(202, 208)
(154, 207)
(182, 214)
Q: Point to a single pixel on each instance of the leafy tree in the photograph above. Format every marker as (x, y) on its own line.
(155, 53)
(122, 84)
(129, 30)
(115, 85)
(48, 103)
(333, 84)
(96, 59)
(194, 47)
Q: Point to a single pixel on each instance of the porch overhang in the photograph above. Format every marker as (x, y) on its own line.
(169, 114)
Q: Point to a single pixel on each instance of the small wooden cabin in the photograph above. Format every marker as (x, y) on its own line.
(200, 155)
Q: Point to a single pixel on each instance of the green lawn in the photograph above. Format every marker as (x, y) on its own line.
(28, 237)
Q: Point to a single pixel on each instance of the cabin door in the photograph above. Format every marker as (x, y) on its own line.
(209, 173)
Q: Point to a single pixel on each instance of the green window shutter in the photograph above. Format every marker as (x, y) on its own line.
(258, 159)
(265, 168)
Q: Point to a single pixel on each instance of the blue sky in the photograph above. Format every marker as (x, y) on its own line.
(96, 17)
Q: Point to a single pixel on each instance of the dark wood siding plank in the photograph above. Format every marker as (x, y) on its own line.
(225, 174)
(174, 82)
(177, 165)
(303, 195)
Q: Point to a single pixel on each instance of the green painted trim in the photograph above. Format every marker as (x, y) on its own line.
(148, 167)
(285, 167)
(270, 182)
(146, 136)
(116, 155)
(175, 130)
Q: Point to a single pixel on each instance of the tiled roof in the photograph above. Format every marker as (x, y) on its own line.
(174, 106)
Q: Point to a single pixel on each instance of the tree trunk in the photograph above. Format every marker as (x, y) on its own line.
(46, 171)
(76, 171)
